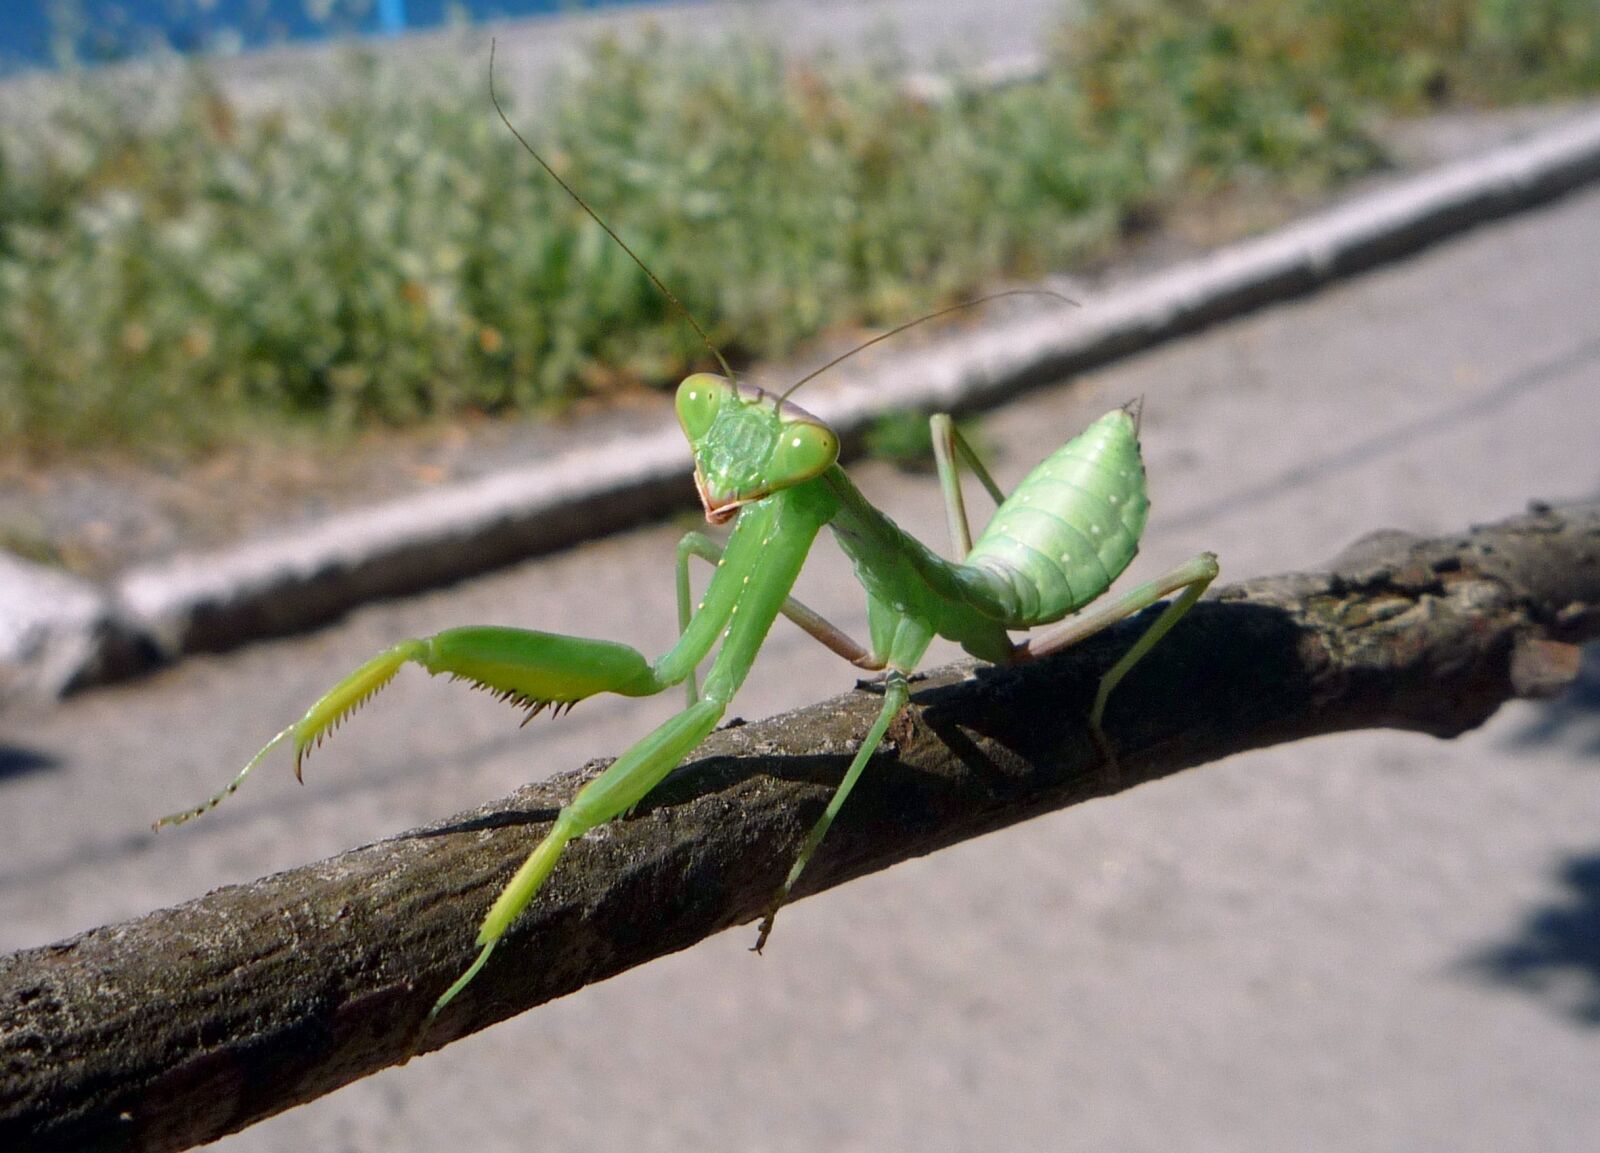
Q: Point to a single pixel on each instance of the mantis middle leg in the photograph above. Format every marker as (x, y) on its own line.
(901, 639)
(895, 695)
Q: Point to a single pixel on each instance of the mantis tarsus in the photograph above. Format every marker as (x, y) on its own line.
(1054, 545)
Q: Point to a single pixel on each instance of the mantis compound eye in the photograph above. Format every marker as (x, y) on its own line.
(699, 397)
(803, 451)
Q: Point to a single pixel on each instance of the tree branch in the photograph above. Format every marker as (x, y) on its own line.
(195, 1021)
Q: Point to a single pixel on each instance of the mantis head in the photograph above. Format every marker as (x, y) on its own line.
(746, 445)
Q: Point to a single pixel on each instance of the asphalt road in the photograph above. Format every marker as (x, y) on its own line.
(1374, 941)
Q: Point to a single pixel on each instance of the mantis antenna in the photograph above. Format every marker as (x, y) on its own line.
(899, 328)
(595, 216)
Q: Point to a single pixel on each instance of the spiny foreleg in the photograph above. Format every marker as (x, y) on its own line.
(532, 670)
(627, 781)
(697, 544)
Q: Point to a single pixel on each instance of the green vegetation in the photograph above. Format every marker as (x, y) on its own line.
(1293, 53)
(384, 252)
(900, 438)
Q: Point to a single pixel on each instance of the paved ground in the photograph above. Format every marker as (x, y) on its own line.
(1375, 941)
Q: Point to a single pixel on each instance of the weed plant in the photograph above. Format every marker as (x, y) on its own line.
(382, 252)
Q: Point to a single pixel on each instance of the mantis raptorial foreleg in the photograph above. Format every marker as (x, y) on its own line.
(697, 544)
(614, 792)
(530, 669)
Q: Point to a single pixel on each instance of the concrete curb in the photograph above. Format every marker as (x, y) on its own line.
(58, 633)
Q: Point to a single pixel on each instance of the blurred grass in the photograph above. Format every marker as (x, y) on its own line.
(383, 252)
(900, 438)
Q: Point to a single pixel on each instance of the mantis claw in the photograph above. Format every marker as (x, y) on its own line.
(460, 983)
(1110, 772)
(764, 930)
(228, 790)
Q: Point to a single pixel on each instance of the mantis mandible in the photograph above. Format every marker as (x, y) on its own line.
(1054, 545)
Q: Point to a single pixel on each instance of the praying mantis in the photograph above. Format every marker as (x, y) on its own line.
(761, 462)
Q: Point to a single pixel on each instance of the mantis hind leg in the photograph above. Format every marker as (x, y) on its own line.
(949, 449)
(533, 670)
(896, 692)
(1192, 577)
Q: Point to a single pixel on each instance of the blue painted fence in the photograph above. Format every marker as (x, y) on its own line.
(37, 32)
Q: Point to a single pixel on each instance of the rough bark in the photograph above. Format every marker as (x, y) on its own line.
(196, 1021)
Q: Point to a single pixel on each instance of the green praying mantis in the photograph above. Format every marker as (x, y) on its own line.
(1054, 545)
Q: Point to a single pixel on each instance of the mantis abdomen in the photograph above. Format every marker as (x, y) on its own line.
(1071, 526)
